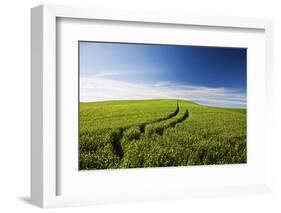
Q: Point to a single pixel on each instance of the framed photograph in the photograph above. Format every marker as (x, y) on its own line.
(130, 106)
(160, 105)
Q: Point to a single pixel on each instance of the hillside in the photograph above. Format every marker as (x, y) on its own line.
(156, 133)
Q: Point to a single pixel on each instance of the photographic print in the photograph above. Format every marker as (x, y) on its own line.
(156, 105)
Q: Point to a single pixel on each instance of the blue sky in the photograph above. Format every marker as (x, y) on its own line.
(207, 75)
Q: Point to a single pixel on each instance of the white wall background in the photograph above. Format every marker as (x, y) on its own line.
(15, 105)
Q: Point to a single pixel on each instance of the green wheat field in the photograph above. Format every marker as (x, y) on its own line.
(159, 133)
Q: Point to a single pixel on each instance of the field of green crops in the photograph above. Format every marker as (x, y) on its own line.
(159, 133)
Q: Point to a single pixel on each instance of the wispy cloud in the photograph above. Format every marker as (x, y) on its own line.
(109, 74)
(100, 88)
(131, 73)
(163, 83)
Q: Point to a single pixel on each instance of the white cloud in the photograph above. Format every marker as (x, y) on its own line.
(109, 74)
(163, 83)
(112, 74)
(101, 88)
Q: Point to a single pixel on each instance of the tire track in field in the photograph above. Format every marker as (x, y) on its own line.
(160, 130)
(117, 139)
(117, 136)
(173, 114)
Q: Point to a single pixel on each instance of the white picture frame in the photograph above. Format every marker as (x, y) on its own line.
(44, 83)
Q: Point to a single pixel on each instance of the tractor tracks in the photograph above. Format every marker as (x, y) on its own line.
(147, 129)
